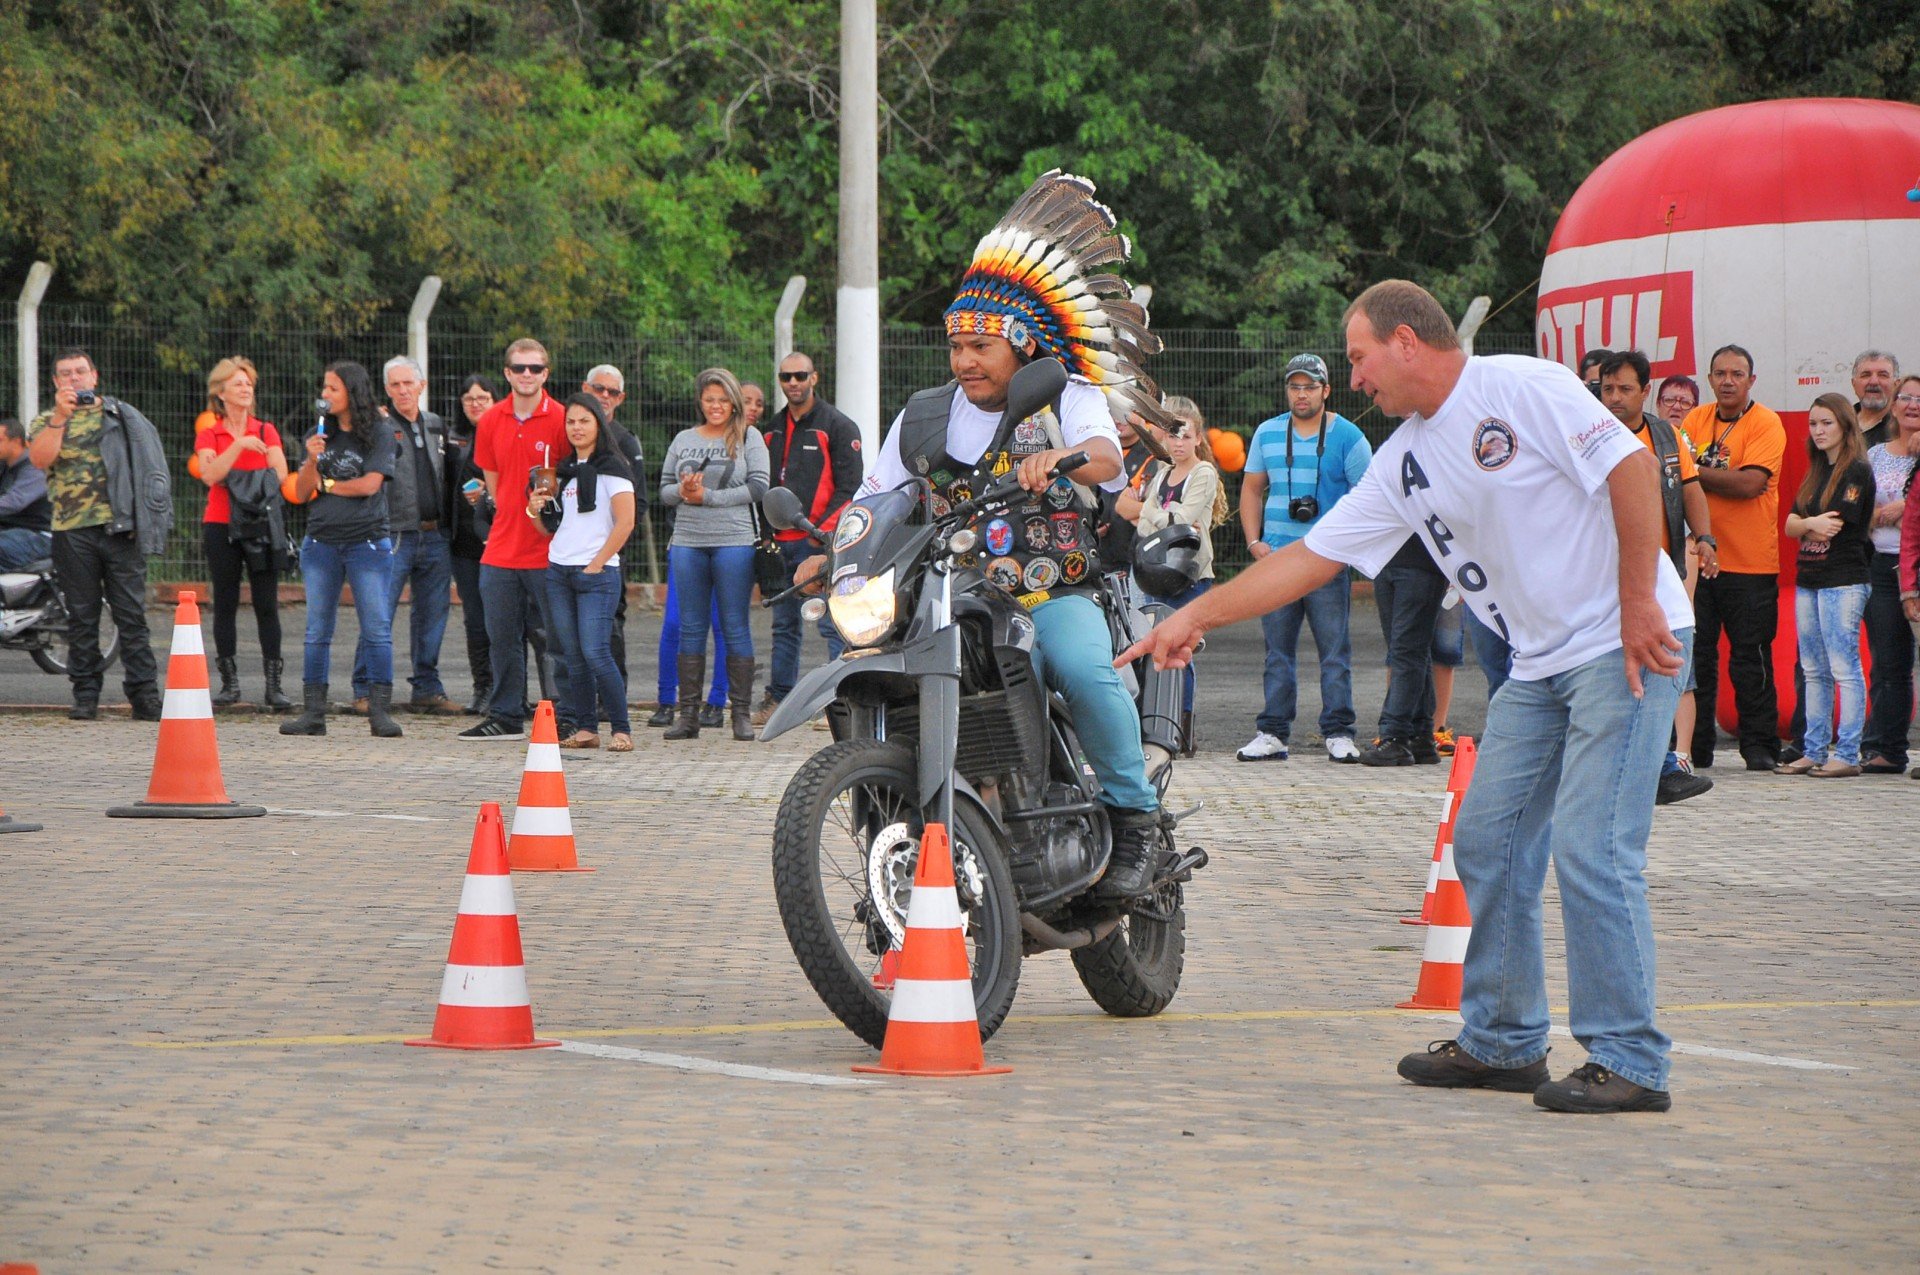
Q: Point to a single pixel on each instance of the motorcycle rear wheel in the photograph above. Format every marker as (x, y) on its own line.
(832, 817)
(53, 657)
(1135, 971)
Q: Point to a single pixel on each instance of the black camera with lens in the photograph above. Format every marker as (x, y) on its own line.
(1303, 508)
(85, 398)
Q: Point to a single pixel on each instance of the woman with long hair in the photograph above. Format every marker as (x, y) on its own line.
(231, 439)
(1188, 491)
(713, 475)
(589, 518)
(1890, 640)
(349, 459)
(1830, 517)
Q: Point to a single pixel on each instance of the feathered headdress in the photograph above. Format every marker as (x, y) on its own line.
(1032, 277)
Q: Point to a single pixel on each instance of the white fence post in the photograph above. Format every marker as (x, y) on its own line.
(27, 344)
(783, 319)
(417, 325)
(1470, 321)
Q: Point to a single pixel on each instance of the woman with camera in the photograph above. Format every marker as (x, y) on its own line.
(588, 509)
(348, 460)
(714, 473)
(231, 441)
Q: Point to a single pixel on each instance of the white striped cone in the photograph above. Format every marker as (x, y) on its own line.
(1447, 936)
(542, 839)
(483, 995)
(933, 1028)
(1442, 841)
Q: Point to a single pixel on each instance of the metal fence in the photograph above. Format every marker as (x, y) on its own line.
(1234, 376)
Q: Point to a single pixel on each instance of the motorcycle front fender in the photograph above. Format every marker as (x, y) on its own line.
(821, 687)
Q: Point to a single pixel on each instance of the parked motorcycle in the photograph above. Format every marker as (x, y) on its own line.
(33, 618)
(938, 713)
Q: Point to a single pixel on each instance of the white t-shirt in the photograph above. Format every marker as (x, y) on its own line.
(969, 430)
(581, 534)
(1506, 486)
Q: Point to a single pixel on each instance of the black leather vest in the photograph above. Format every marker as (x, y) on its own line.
(1039, 547)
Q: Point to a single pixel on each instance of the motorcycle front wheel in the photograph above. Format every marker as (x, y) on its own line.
(52, 658)
(845, 845)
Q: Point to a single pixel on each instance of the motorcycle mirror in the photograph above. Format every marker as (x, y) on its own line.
(1032, 388)
(781, 507)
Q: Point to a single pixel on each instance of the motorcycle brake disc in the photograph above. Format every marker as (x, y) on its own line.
(892, 856)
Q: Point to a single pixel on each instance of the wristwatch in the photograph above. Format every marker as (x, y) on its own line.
(326, 484)
(1708, 541)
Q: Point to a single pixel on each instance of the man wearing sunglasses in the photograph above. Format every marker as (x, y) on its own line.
(525, 431)
(609, 385)
(814, 452)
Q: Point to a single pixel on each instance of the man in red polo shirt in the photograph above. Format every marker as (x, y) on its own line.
(522, 432)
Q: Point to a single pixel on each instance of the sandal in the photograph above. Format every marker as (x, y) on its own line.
(622, 743)
(581, 740)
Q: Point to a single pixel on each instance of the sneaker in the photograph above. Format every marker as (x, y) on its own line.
(1678, 785)
(1443, 742)
(434, 706)
(1341, 748)
(1423, 750)
(712, 714)
(1444, 1065)
(493, 728)
(1391, 751)
(1263, 747)
(767, 704)
(1593, 1090)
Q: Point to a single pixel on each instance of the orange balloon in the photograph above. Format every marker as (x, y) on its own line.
(1229, 450)
(287, 491)
(193, 464)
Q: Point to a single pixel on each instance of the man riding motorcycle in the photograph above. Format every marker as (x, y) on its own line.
(1042, 550)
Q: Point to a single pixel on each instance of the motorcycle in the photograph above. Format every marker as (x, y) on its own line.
(33, 618)
(939, 714)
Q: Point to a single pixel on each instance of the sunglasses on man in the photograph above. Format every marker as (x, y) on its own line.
(794, 376)
(527, 369)
(606, 391)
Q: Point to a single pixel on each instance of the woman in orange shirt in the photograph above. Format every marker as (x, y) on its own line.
(230, 438)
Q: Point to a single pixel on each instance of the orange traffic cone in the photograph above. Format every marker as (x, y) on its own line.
(483, 997)
(186, 781)
(1447, 935)
(933, 1028)
(1458, 777)
(9, 824)
(542, 839)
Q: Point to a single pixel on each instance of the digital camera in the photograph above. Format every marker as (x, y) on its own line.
(85, 398)
(1303, 508)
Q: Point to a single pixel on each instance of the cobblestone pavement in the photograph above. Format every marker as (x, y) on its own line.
(202, 1069)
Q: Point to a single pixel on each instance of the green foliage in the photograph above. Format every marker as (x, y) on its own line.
(307, 161)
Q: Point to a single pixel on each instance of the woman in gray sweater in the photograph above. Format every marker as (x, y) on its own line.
(713, 475)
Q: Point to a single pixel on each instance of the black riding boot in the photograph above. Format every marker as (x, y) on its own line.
(313, 719)
(229, 693)
(740, 694)
(380, 711)
(275, 700)
(693, 672)
(1136, 847)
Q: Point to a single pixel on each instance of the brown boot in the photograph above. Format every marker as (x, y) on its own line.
(740, 695)
(693, 673)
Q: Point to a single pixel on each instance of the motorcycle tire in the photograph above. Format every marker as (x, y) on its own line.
(1135, 971)
(53, 658)
(820, 932)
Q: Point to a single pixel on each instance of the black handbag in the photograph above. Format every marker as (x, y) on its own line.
(769, 564)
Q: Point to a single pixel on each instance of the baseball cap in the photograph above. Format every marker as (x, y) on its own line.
(1311, 364)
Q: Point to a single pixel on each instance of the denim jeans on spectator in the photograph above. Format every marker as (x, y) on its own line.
(515, 600)
(705, 577)
(367, 566)
(788, 635)
(1829, 625)
(1890, 644)
(1409, 602)
(93, 565)
(580, 626)
(424, 560)
(21, 545)
(1326, 611)
(1188, 679)
(1747, 607)
(1568, 771)
(1490, 651)
(670, 647)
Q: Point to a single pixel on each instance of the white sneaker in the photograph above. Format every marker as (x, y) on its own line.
(1342, 748)
(1264, 747)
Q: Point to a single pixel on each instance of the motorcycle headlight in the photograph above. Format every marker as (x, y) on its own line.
(862, 607)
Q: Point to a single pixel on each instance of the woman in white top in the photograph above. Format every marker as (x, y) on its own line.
(589, 518)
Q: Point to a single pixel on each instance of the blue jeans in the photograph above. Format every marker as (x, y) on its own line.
(1074, 652)
(1568, 769)
(1327, 609)
(706, 577)
(1829, 624)
(21, 545)
(423, 559)
(364, 564)
(1188, 680)
(1409, 603)
(787, 637)
(515, 601)
(580, 625)
(1495, 657)
(669, 672)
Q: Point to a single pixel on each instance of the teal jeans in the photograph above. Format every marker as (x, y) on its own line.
(1075, 655)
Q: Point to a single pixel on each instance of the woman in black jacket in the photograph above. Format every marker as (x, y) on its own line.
(469, 512)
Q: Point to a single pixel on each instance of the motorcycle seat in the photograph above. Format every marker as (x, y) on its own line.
(38, 567)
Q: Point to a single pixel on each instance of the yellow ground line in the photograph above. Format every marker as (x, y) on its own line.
(827, 1024)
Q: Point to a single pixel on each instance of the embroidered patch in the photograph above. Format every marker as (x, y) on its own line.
(939, 505)
(1038, 538)
(999, 537)
(1073, 567)
(1032, 600)
(1494, 444)
(1066, 531)
(1029, 432)
(1060, 495)
(1041, 573)
(1004, 572)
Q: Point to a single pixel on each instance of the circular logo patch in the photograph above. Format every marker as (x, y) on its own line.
(1073, 567)
(1494, 444)
(1060, 495)
(999, 537)
(1041, 573)
(1037, 536)
(855, 523)
(1004, 572)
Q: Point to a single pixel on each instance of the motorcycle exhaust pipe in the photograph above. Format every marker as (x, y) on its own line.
(1160, 716)
(1046, 936)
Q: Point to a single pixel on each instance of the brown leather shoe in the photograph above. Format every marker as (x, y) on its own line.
(359, 706)
(1834, 768)
(435, 706)
(1593, 1090)
(1444, 1065)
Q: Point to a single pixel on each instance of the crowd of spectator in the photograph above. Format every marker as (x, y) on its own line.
(400, 501)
